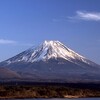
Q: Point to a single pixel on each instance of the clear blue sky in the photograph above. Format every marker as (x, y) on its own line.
(24, 23)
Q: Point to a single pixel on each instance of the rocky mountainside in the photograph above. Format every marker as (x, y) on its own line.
(53, 61)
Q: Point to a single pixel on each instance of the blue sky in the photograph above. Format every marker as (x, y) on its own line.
(26, 23)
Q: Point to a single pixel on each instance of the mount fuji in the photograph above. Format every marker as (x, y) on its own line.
(51, 61)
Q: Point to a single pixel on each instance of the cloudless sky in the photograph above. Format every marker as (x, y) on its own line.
(30, 22)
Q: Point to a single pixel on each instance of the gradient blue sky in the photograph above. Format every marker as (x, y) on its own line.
(24, 23)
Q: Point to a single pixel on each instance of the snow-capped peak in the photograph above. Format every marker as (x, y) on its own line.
(55, 49)
(52, 60)
(46, 51)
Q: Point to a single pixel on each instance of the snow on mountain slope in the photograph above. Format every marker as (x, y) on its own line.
(52, 60)
(46, 51)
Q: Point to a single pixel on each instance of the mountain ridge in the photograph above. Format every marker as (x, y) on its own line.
(45, 47)
(52, 60)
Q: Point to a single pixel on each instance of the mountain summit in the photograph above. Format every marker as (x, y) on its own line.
(48, 50)
(53, 61)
